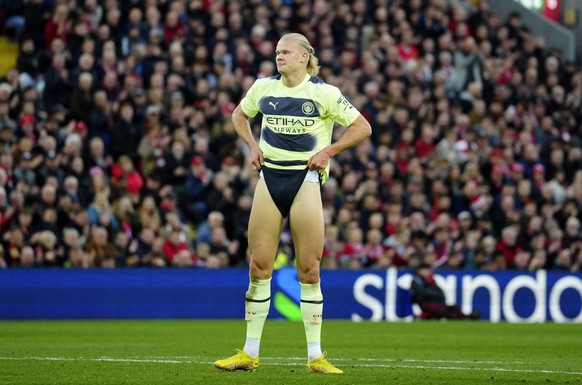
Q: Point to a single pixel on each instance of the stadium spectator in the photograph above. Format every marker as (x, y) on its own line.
(26, 258)
(174, 247)
(148, 215)
(59, 26)
(125, 178)
(45, 249)
(101, 251)
(353, 253)
(508, 246)
(98, 206)
(373, 249)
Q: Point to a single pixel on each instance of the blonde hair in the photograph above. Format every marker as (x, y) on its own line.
(313, 63)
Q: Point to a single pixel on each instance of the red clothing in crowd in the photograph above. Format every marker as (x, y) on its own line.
(353, 249)
(133, 180)
(509, 252)
(177, 31)
(170, 249)
(6, 216)
(407, 52)
(56, 30)
(423, 149)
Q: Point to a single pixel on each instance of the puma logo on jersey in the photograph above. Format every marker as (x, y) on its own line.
(274, 105)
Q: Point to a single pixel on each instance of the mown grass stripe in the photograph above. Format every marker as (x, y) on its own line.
(283, 361)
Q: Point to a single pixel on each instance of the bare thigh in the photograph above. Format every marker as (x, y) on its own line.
(265, 225)
(306, 220)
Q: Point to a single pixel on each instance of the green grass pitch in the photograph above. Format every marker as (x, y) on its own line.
(183, 352)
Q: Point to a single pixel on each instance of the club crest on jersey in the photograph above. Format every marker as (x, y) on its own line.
(308, 108)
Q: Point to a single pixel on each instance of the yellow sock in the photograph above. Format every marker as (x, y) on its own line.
(257, 303)
(312, 312)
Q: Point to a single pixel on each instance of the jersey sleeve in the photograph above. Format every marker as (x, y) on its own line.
(340, 108)
(250, 104)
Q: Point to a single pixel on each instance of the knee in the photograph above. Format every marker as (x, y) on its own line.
(308, 274)
(259, 271)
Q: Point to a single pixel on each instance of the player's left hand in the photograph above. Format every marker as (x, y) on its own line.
(318, 161)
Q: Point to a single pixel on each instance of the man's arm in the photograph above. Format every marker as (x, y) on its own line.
(243, 129)
(356, 132)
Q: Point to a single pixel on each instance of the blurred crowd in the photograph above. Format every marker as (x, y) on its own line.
(117, 149)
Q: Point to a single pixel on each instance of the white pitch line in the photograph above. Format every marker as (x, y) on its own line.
(447, 361)
(97, 359)
(545, 371)
(373, 360)
(285, 362)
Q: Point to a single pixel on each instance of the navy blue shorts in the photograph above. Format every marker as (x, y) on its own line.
(283, 186)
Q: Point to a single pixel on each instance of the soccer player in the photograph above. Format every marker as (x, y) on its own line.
(299, 111)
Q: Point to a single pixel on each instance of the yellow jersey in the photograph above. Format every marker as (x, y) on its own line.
(298, 121)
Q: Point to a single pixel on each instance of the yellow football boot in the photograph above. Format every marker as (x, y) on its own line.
(322, 365)
(240, 361)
